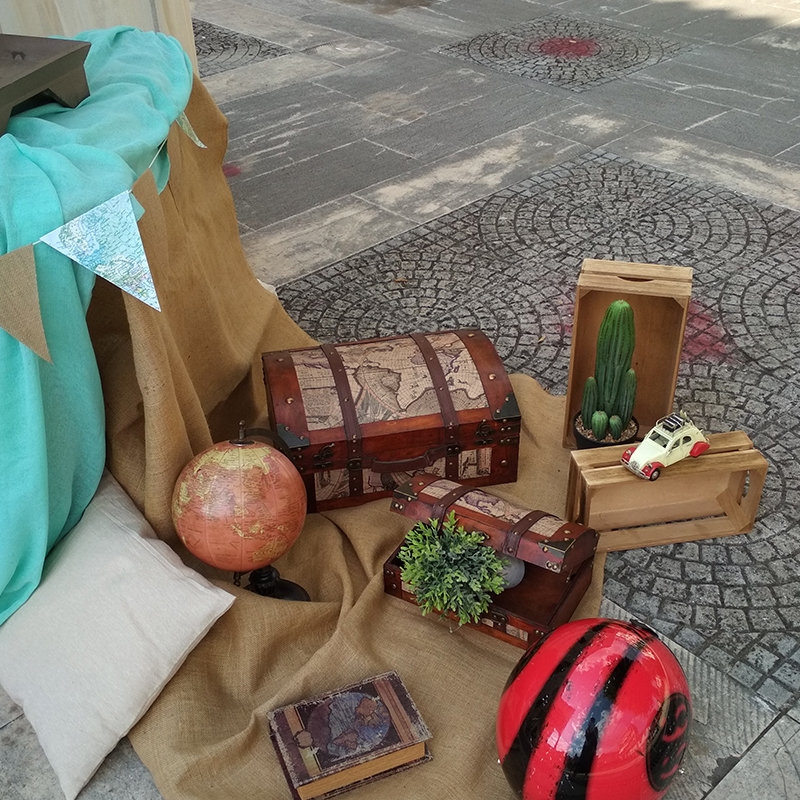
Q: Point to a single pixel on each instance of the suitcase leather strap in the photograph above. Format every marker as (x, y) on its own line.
(448, 410)
(352, 428)
(445, 501)
(517, 531)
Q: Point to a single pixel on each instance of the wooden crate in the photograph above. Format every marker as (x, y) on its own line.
(659, 296)
(714, 495)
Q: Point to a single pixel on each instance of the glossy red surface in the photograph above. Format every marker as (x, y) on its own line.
(598, 710)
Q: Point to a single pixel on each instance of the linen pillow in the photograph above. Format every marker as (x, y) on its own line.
(115, 615)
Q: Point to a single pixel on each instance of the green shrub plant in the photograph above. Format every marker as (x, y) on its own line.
(450, 569)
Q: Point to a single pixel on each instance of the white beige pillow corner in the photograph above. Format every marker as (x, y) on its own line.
(116, 614)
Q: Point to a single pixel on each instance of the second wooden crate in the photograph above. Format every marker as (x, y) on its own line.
(714, 495)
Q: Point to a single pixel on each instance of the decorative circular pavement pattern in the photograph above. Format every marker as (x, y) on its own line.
(572, 53)
(509, 263)
(219, 49)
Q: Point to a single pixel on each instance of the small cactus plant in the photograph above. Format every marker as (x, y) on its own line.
(609, 394)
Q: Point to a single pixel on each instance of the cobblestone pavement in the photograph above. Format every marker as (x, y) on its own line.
(219, 49)
(508, 264)
(564, 51)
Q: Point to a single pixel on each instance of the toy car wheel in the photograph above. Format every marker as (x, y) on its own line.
(654, 474)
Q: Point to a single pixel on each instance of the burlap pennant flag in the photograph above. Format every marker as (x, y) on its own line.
(106, 240)
(19, 300)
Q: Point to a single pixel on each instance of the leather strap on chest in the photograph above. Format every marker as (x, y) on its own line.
(518, 530)
(352, 428)
(448, 410)
(445, 501)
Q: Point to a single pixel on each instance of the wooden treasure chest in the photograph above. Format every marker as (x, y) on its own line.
(558, 555)
(360, 418)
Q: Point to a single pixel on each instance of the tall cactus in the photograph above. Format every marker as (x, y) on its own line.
(614, 382)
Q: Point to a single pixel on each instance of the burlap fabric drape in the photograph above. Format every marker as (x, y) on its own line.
(177, 380)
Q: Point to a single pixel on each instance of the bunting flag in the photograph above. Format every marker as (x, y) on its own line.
(106, 240)
(19, 300)
(186, 127)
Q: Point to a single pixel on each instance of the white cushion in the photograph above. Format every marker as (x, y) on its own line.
(115, 615)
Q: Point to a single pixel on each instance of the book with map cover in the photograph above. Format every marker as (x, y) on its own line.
(333, 742)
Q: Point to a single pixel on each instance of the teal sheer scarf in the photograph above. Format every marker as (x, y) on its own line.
(55, 164)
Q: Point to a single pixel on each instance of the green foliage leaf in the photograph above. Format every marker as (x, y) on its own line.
(450, 569)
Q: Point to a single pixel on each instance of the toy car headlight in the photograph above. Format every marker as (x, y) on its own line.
(626, 456)
(647, 469)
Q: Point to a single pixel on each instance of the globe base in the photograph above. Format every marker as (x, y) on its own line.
(267, 582)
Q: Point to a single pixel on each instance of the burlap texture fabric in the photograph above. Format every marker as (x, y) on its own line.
(175, 382)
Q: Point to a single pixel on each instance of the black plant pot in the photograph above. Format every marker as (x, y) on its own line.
(585, 442)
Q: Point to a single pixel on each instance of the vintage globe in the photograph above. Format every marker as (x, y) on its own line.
(239, 505)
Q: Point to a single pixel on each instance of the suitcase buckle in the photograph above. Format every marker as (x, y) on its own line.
(354, 464)
(323, 459)
(453, 449)
(484, 434)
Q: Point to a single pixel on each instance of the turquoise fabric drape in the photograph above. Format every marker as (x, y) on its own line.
(56, 163)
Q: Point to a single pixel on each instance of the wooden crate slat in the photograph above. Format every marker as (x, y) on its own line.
(716, 494)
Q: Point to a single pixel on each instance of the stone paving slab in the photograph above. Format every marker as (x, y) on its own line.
(685, 78)
(122, 776)
(347, 169)
(266, 76)
(654, 104)
(391, 29)
(753, 132)
(721, 28)
(773, 765)
(452, 182)
(792, 155)
(741, 170)
(785, 39)
(314, 238)
(717, 23)
(9, 710)
(408, 86)
(286, 126)
(440, 134)
(475, 12)
(592, 126)
(266, 21)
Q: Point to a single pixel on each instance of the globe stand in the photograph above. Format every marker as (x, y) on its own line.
(267, 582)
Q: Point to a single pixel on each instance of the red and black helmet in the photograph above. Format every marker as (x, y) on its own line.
(598, 709)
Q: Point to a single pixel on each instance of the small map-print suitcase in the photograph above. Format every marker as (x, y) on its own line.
(558, 555)
(360, 418)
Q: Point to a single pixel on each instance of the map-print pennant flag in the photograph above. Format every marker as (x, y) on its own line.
(106, 240)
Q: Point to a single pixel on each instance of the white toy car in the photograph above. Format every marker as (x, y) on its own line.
(669, 440)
